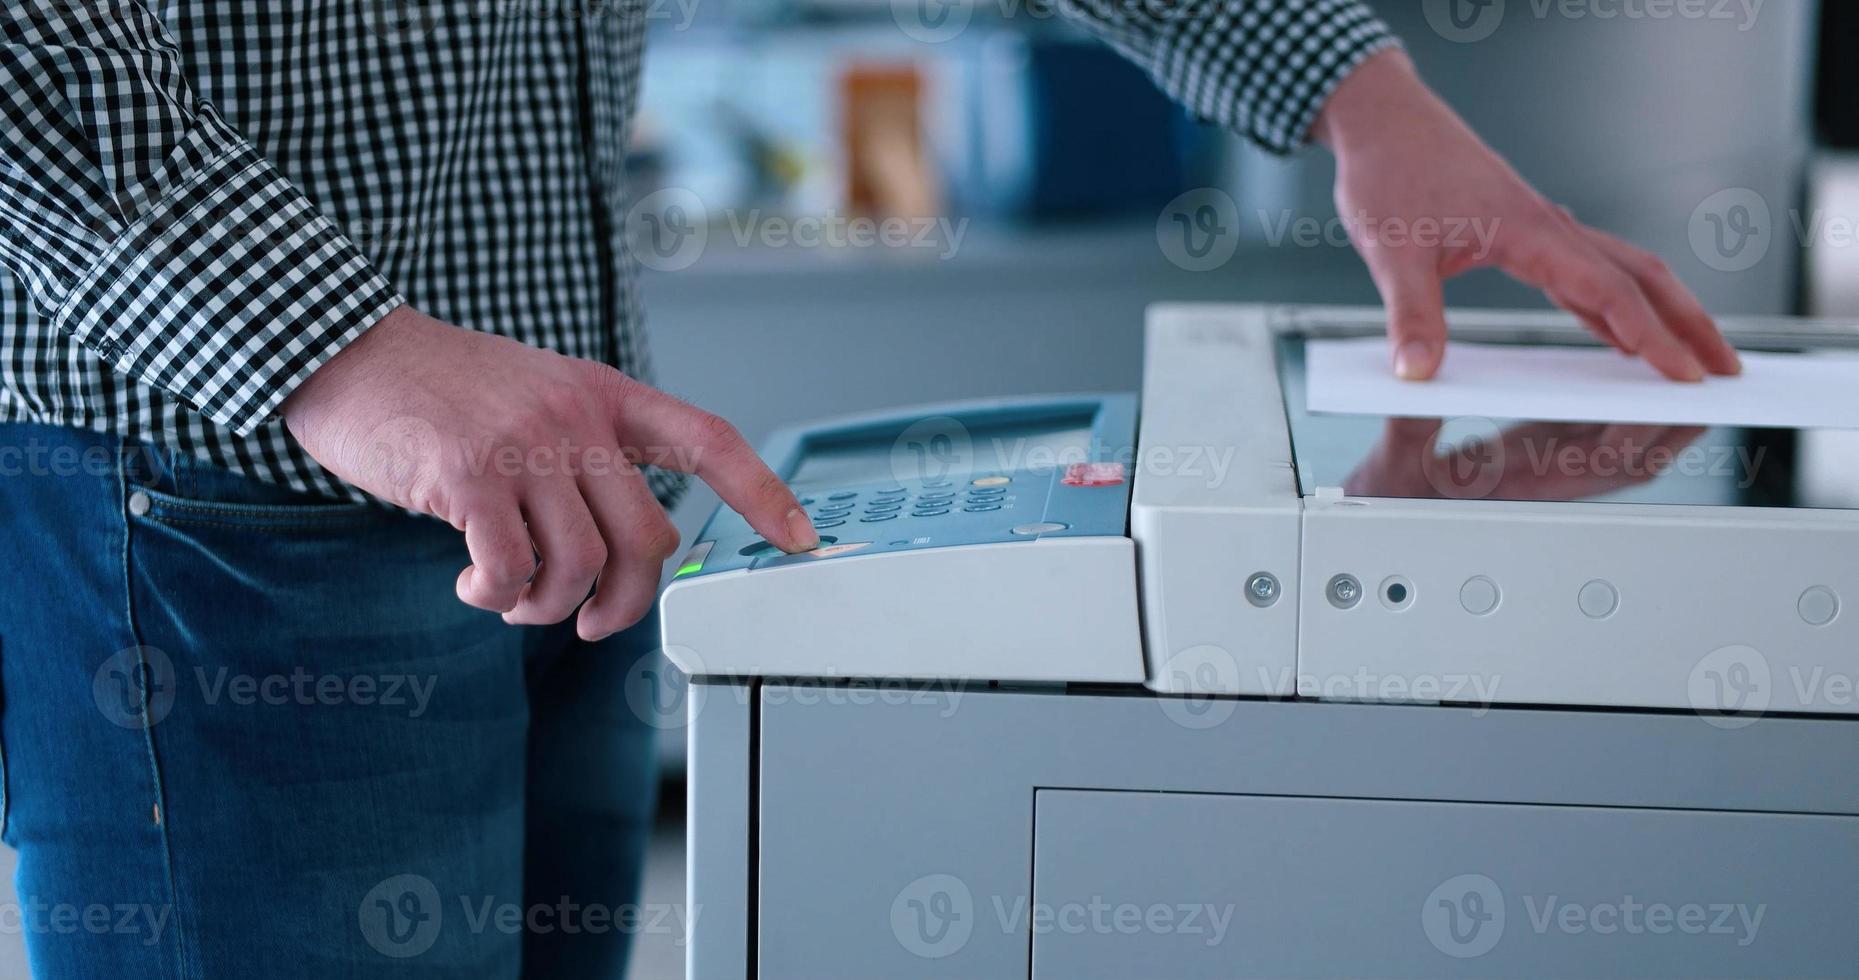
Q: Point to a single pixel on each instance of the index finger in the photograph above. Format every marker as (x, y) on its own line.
(677, 435)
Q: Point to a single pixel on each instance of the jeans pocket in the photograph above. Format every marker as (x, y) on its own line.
(199, 494)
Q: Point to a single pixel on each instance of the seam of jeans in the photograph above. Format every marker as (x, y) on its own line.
(252, 525)
(182, 951)
(6, 798)
(312, 512)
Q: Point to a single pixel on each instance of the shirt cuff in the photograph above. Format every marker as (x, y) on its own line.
(1318, 59)
(229, 291)
(1265, 68)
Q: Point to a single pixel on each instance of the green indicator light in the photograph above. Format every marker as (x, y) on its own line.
(690, 569)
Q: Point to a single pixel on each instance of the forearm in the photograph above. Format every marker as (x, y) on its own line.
(152, 232)
(1262, 68)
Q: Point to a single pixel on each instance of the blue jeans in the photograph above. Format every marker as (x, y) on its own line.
(252, 733)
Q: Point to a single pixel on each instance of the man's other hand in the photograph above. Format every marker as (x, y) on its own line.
(1426, 200)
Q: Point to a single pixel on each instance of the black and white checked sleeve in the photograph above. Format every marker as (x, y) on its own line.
(1262, 68)
(149, 230)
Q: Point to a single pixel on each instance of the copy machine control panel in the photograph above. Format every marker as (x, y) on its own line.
(976, 541)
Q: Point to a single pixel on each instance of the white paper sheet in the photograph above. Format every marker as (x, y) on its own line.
(1560, 384)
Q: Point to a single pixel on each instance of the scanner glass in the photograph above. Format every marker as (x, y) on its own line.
(1518, 459)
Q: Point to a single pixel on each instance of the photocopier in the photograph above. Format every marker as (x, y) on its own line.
(1205, 684)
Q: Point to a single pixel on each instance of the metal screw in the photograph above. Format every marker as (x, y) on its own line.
(1345, 591)
(1262, 589)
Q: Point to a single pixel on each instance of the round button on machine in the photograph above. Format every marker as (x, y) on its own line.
(1818, 606)
(1479, 596)
(981, 508)
(1042, 527)
(760, 547)
(822, 523)
(842, 495)
(882, 508)
(1598, 599)
(875, 518)
(987, 492)
(990, 481)
(936, 512)
(936, 495)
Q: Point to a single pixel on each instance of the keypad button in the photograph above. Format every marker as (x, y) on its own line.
(806, 501)
(987, 491)
(981, 508)
(934, 484)
(823, 523)
(936, 495)
(876, 518)
(842, 495)
(930, 513)
(889, 491)
(991, 481)
(883, 508)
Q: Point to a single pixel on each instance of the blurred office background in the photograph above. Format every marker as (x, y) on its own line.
(1720, 140)
(1716, 141)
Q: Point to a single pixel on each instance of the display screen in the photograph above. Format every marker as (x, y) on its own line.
(1513, 459)
(939, 447)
